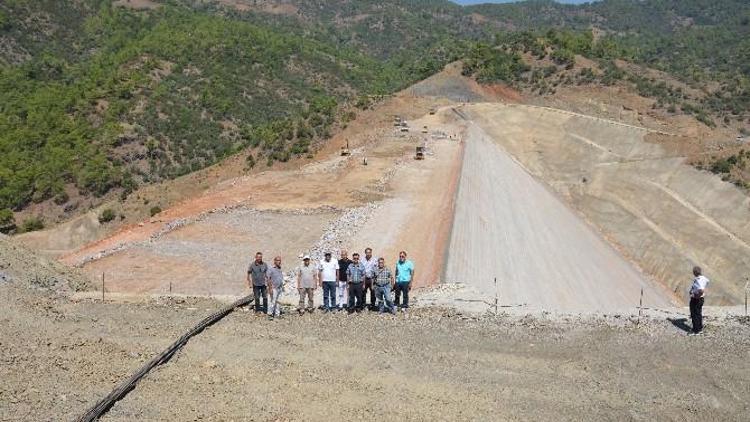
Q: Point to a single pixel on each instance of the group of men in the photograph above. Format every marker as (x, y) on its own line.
(345, 283)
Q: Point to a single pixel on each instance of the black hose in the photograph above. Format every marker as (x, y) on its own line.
(123, 389)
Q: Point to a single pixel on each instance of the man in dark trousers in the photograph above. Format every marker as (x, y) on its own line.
(404, 276)
(697, 295)
(328, 274)
(256, 277)
(342, 286)
(370, 263)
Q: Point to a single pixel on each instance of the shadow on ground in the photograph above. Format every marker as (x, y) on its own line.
(681, 323)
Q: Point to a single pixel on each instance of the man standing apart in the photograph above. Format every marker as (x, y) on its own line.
(404, 276)
(697, 295)
(356, 275)
(370, 263)
(275, 278)
(256, 276)
(341, 287)
(383, 282)
(307, 281)
(328, 273)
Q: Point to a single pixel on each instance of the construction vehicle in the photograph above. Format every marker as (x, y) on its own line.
(345, 150)
(420, 153)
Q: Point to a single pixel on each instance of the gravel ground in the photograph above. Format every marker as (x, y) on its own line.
(432, 364)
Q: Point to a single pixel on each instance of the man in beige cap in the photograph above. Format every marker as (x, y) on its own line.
(307, 281)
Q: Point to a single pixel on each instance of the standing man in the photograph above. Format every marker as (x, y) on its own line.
(276, 285)
(256, 276)
(383, 282)
(370, 263)
(307, 281)
(341, 287)
(697, 295)
(356, 275)
(404, 276)
(328, 273)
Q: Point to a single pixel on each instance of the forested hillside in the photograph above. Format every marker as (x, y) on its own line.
(123, 97)
(98, 97)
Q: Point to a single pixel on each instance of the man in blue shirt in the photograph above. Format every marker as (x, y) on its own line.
(355, 273)
(404, 276)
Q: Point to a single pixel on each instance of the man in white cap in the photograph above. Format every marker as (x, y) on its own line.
(307, 281)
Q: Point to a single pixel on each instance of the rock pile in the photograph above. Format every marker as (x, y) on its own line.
(342, 229)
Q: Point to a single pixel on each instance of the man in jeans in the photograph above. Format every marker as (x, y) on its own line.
(697, 295)
(342, 285)
(370, 263)
(355, 272)
(383, 282)
(328, 274)
(404, 276)
(307, 281)
(276, 286)
(256, 276)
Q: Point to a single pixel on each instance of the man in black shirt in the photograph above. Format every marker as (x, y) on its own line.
(341, 286)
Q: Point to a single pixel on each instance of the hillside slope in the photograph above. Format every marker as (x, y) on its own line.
(125, 97)
(100, 97)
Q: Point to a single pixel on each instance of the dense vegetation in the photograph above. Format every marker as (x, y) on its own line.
(96, 98)
(146, 96)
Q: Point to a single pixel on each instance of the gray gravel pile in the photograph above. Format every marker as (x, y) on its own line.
(23, 267)
(168, 227)
(341, 230)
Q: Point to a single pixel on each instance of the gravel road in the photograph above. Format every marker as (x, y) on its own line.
(510, 226)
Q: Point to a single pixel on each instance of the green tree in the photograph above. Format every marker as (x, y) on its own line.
(106, 216)
(7, 221)
(31, 224)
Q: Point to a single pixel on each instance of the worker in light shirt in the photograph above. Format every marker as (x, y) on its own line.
(697, 294)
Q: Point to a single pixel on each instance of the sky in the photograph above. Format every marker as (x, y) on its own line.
(465, 2)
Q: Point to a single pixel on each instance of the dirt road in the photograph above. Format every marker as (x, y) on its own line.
(510, 226)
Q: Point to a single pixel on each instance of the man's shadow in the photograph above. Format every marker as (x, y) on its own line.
(681, 323)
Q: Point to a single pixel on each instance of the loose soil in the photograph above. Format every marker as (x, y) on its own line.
(433, 364)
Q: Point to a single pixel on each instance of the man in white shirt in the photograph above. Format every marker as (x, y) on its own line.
(697, 295)
(328, 274)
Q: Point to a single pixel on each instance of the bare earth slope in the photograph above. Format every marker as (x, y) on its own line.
(661, 213)
(508, 225)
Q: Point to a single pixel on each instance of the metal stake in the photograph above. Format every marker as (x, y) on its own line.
(102, 286)
(640, 307)
(497, 299)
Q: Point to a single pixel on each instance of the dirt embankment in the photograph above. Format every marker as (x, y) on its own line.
(661, 213)
(542, 253)
(20, 266)
(203, 245)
